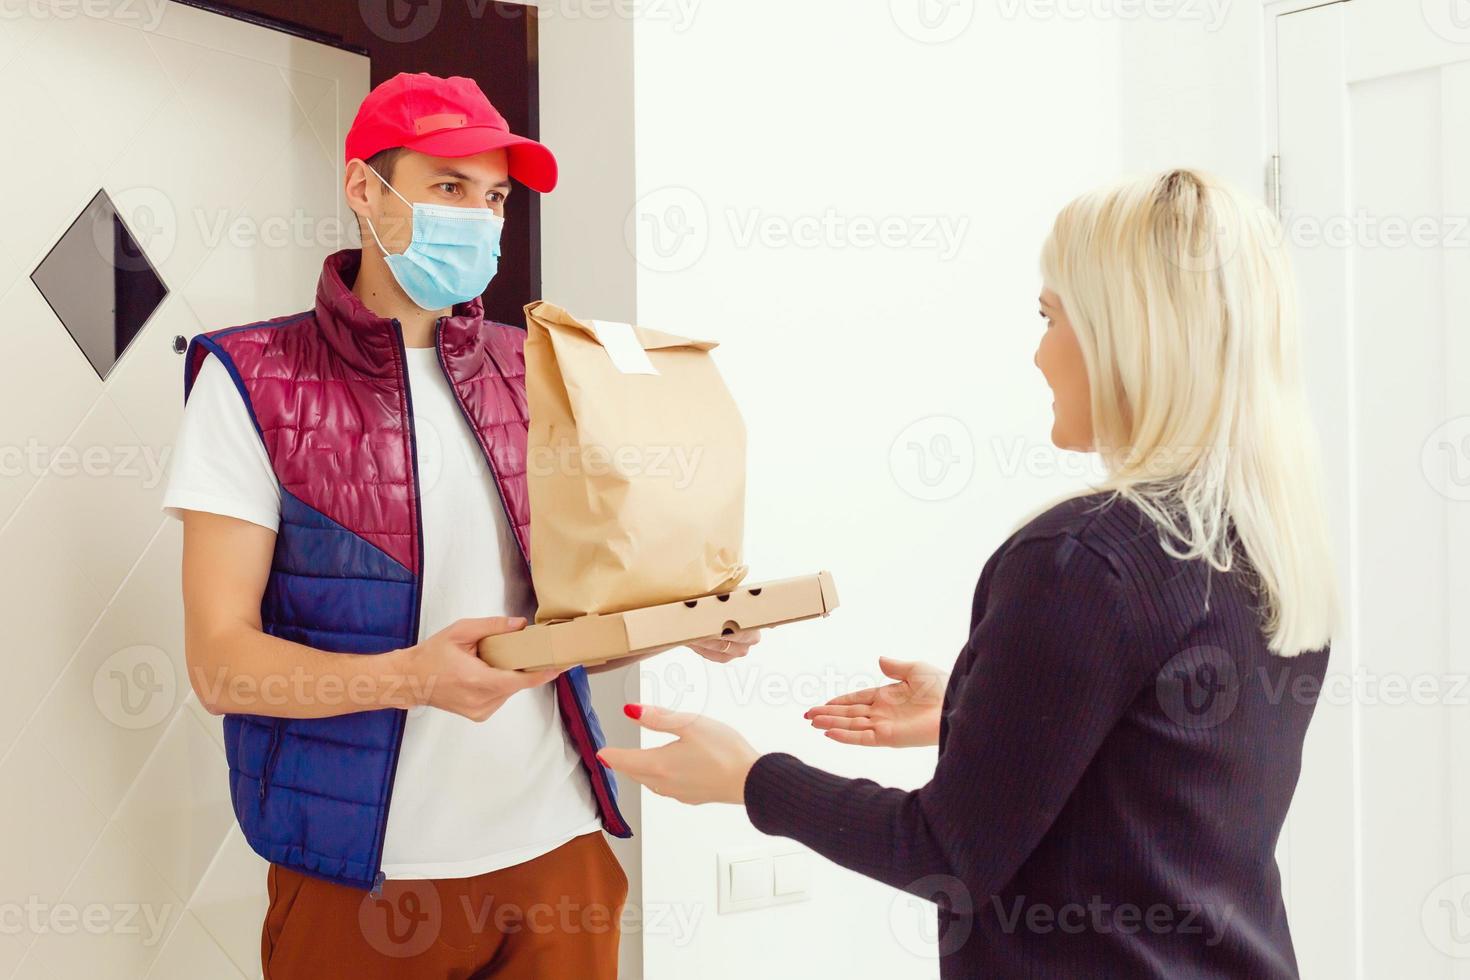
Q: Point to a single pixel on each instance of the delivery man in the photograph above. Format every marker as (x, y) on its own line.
(352, 485)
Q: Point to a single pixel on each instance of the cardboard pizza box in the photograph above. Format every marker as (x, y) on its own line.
(599, 638)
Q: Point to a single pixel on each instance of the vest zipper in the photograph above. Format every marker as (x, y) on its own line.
(270, 758)
(576, 716)
(418, 595)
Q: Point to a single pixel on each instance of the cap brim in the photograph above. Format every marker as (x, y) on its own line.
(528, 161)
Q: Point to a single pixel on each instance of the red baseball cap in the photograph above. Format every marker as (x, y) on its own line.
(444, 117)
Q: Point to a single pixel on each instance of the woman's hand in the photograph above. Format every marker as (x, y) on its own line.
(898, 715)
(723, 649)
(707, 763)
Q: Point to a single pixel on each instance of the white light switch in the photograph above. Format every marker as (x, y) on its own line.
(755, 877)
(791, 873)
(750, 881)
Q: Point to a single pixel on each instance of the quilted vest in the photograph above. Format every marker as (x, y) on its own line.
(327, 392)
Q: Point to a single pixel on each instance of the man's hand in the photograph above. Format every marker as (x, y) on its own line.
(445, 672)
(723, 649)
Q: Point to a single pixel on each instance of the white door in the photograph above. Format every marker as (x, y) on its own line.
(1373, 134)
(217, 144)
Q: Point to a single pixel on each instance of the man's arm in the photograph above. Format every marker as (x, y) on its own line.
(234, 666)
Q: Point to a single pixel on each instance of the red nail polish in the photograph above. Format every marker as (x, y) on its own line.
(634, 711)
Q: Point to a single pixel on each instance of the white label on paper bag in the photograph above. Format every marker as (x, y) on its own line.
(622, 345)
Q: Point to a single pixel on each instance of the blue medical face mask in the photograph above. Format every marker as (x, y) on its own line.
(454, 254)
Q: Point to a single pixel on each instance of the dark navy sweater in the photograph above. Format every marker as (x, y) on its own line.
(1117, 752)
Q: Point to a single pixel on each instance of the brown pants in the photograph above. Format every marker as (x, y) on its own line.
(553, 916)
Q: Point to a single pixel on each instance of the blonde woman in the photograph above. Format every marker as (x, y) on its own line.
(1122, 732)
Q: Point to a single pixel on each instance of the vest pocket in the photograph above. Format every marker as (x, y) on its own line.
(270, 757)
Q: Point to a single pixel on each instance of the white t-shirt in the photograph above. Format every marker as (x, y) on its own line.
(468, 797)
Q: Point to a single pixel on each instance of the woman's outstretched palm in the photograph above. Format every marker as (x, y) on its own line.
(898, 715)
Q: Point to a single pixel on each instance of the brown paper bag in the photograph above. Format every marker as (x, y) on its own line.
(635, 465)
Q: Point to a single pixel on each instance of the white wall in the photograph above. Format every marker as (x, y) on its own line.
(1192, 90)
(116, 796)
(753, 124)
(832, 352)
(987, 120)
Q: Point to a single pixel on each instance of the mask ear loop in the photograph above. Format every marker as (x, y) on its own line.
(405, 200)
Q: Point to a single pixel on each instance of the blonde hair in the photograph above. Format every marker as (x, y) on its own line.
(1181, 295)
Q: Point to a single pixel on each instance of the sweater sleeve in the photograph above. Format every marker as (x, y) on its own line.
(1053, 667)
